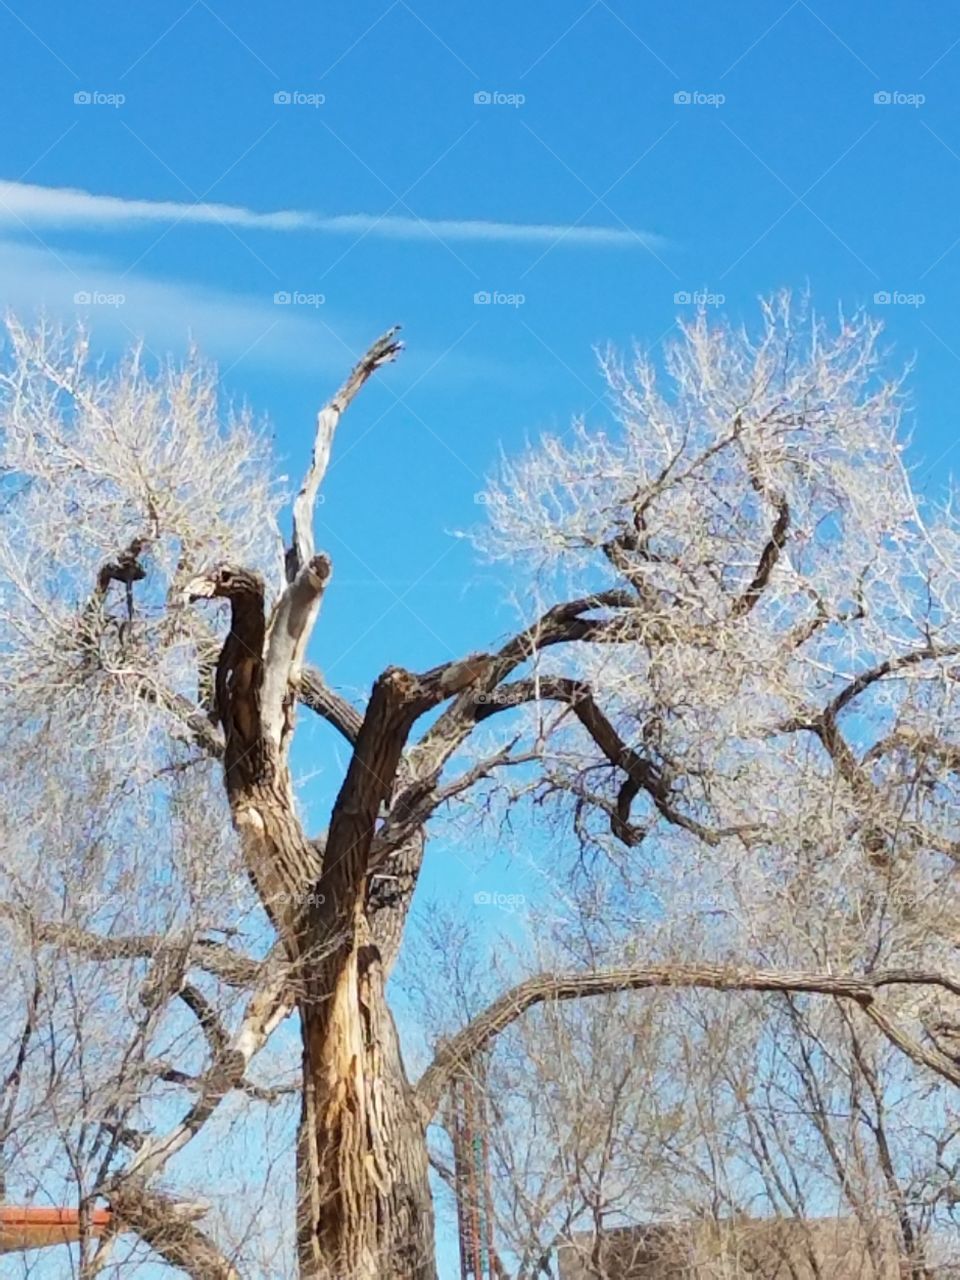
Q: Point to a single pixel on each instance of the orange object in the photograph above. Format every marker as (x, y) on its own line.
(36, 1228)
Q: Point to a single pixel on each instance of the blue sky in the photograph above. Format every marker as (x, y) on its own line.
(602, 200)
(619, 158)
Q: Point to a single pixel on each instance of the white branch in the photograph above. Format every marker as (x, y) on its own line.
(307, 572)
(383, 351)
(289, 633)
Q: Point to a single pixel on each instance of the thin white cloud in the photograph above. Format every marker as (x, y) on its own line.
(23, 203)
(238, 329)
(122, 306)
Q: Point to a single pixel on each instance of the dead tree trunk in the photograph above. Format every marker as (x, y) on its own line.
(364, 1200)
(369, 1211)
(364, 1205)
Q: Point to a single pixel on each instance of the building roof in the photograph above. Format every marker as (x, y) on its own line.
(762, 1248)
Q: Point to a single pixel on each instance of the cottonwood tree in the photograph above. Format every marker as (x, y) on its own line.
(741, 679)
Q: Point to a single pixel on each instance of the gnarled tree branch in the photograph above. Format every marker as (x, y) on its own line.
(456, 1053)
(170, 1231)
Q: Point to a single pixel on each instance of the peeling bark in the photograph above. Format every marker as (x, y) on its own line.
(370, 1209)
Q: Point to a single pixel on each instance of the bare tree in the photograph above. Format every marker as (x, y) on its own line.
(740, 682)
(627, 1130)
